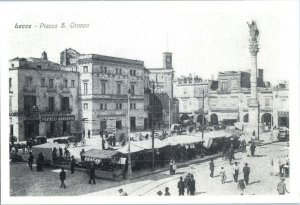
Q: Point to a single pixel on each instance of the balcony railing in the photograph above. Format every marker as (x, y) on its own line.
(29, 89)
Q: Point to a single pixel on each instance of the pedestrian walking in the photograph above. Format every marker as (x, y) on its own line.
(180, 187)
(89, 133)
(62, 177)
(122, 193)
(73, 162)
(252, 149)
(167, 193)
(40, 162)
(187, 180)
(54, 154)
(241, 186)
(281, 187)
(192, 185)
(223, 175)
(103, 143)
(235, 172)
(92, 174)
(246, 171)
(231, 154)
(211, 167)
(30, 160)
(172, 166)
(83, 133)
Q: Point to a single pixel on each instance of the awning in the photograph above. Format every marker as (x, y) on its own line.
(182, 140)
(100, 154)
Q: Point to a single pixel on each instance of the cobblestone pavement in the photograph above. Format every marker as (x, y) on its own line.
(25, 182)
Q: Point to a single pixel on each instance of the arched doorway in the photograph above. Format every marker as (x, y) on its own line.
(214, 119)
(266, 118)
(184, 117)
(200, 118)
(246, 118)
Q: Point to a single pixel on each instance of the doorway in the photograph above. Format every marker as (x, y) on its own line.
(132, 123)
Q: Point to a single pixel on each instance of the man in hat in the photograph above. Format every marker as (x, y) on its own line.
(246, 171)
(180, 187)
(92, 174)
(62, 177)
(235, 171)
(30, 160)
(73, 162)
(281, 187)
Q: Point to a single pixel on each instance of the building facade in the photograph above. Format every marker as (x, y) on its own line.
(162, 79)
(103, 91)
(192, 93)
(42, 98)
(226, 100)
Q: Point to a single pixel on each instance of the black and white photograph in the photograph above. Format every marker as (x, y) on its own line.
(192, 100)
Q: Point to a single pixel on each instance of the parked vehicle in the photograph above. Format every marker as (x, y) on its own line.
(76, 139)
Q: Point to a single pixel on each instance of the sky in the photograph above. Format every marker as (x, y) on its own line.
(204, 37)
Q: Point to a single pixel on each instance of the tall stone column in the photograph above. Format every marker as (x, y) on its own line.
(253, 102)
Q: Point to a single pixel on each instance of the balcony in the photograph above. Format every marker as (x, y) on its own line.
(31, 112)
(56, 112)
(29, 89)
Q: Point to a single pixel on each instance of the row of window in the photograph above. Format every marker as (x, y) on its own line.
(103, 124)
(29, 82)
(30, 102)
(103, 106)
(103, 88)
(103, 69)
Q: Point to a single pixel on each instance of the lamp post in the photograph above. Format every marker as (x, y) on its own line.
(202, 113)
(258, 114)
(170, 116)
(129, 173)
(153, 116)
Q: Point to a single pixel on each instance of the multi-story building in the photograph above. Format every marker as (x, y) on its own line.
(104, 85)
(42, 98)
(192, 93)
(162, 80)
(226, 100)
(281, 104)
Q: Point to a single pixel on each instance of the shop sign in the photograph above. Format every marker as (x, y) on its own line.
(58, 118)
(281, 113)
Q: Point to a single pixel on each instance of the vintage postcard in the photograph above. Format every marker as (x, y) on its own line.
(161, 102)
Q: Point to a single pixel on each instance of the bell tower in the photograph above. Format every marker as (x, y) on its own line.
(167, 60)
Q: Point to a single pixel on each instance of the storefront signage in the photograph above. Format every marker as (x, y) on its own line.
(58, 118)
(13, 114)
(281, 113)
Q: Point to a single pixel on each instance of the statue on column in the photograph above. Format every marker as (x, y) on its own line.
(254, 33)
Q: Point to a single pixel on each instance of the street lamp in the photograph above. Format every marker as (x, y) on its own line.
(258, 114)
(129, 173)
(153, 108)
(202, 113)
